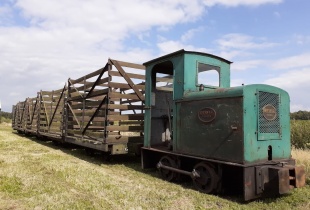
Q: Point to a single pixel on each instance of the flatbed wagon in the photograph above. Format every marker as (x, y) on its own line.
(103, 110)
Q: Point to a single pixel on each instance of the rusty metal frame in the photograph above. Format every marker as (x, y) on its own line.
(105, 69)
(58, 102)
(92, 117)
(74, 115)
(44, 106)
(127, 78)
(32, 116)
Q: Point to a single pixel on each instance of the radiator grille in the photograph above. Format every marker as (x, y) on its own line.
(271, 124)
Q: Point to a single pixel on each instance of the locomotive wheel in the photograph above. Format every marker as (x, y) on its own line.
(208, 179)
(167, 174)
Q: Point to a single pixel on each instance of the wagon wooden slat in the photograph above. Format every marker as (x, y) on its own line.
(95, 104)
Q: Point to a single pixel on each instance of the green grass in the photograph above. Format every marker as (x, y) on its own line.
(38, 175)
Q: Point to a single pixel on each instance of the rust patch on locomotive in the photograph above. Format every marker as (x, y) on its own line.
(269, 112)
(206, 115)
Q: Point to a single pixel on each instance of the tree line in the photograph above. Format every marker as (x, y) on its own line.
(7, 115)
(300, 115)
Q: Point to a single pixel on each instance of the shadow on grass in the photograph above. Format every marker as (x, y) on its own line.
(131, 161)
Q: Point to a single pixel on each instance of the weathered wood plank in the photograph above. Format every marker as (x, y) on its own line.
(73, 114)
(123, 139)
(124, 128)
(164, 79)
(110, 112)
(124, 86)
(92, 133)
(90, 127)
(79, 97)
(95, 104)
(98, 93)
(130, 65)
(114, 95)
(88, 85)
(74, 94)
(125, 107)
(126, 117)
(90, 75)
(87, 112)
(131, 75)
(94, 115)
(88, 104)
(129, 101)
(165, 88)
(95, 119)
(131, 122)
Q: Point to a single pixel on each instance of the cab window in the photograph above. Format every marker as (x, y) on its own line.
(208, 75)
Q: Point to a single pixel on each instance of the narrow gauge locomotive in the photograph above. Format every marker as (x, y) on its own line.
(225, 138)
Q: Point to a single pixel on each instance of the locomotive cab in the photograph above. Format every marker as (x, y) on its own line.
(222, 137)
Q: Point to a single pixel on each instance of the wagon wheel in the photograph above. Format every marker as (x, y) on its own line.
(167, 174)
(208, 179)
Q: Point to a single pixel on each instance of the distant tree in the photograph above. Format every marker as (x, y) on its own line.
(300, 115)
(7, 115)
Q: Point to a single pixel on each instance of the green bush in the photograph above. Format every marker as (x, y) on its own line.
(300, 115)
(7, 115)
(5, 120)
(300, 133)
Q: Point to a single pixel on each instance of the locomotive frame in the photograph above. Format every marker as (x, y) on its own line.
(225, 138)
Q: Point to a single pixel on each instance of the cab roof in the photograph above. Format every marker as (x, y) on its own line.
(185, 52)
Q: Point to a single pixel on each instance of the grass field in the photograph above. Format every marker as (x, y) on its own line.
(38, 175)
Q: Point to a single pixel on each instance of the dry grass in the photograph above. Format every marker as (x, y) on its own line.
(38, 175)
(303, 158)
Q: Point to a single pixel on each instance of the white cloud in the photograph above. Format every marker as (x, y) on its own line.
(292, 79)
(118, 15)
(5, 10)
(301, 39)
(232, 54)
(301, 60)
(5, 14)
(237, 82)
(246, 65)
(242, 41)
(58, 39)
(190, 33)
(241, 49)
(234, 3)
(298, 107)
(171, 46)
(297, 84)
(71, 38)
(167, 46)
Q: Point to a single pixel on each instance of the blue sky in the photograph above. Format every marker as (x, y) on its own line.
(44, 42)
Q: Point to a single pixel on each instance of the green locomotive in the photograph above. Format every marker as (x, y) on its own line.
(225, 138)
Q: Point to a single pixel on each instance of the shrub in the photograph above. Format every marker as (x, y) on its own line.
(300, 133)
(6, 115)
